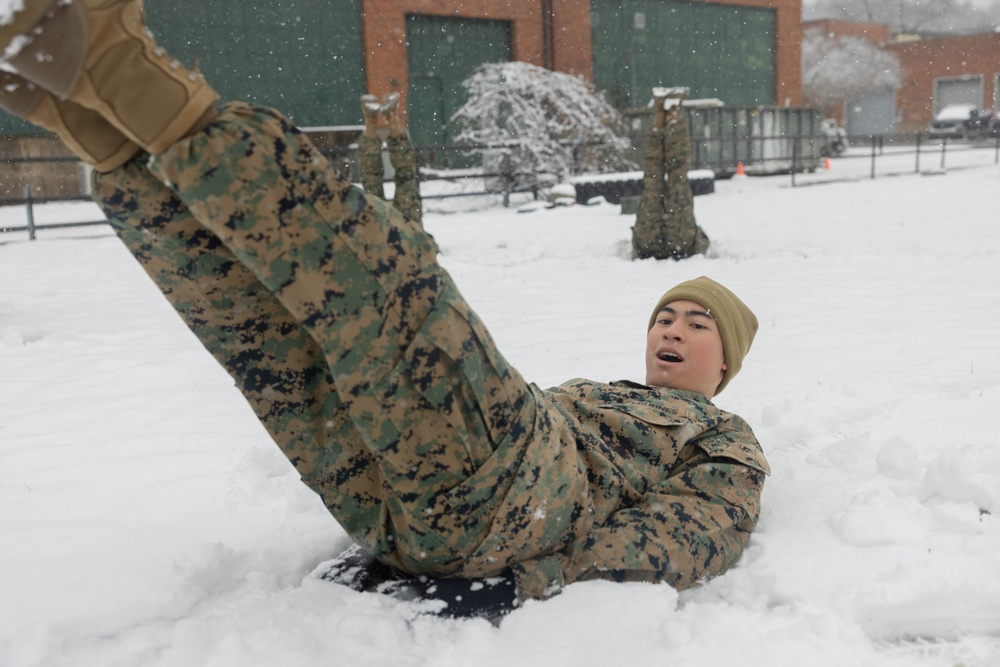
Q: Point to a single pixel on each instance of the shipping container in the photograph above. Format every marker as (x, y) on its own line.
(765, 139)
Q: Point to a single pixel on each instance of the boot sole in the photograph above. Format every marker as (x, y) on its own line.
(18, 33)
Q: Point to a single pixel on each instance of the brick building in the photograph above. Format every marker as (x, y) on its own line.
(937, 71)
(873, 112)
(879, 34)
(946, 70)
(742, 51)
(314, 58)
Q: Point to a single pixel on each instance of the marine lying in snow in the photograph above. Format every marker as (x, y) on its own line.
(364, 363)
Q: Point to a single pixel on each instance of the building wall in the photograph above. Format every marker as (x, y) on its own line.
(833, 28)
(303, 57)
(385, 34)
(717, 51)
(572, 49)
(928, 60)
(313, 58)
(788, 46)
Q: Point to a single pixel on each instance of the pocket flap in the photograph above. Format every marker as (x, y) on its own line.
(730, 443)
(661, 415)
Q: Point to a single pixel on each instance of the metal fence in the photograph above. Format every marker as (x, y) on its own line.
(928, 154)
(455, 163)
(800, 155)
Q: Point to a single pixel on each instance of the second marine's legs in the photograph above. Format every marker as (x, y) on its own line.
(370, 148)
(404, 161)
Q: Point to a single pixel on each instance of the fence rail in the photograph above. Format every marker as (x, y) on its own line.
(28, 201)
(801, 158)
(879, 147)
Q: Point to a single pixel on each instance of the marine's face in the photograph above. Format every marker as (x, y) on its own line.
(684, 349)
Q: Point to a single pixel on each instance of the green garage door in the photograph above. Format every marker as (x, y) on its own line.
(303, 57)
(716, 50)
(443, 52)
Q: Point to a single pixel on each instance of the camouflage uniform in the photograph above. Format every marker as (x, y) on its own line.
(665, 226)
(404, 162)
(384, 389)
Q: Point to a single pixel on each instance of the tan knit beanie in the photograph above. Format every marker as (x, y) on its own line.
(737, 323)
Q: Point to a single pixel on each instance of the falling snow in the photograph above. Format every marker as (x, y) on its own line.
(147, 519)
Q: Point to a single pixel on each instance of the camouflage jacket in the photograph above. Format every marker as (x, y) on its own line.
(675, 487)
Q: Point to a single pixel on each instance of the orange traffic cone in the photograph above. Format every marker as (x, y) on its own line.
(826, 164)
(739, 169)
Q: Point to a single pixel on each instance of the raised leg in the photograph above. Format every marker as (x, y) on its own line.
(647, 239)
(665, 224)
(277, 366)
(326, 305)
(370, 148)
(459, 436)
(687, 237)
(404, 161)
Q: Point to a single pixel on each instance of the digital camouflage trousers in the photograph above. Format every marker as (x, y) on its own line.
(353, 347)
(403, 159)
(665, 225)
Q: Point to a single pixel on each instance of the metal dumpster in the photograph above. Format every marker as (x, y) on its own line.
(767, 140)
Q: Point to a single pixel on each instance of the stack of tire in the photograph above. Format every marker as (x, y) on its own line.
(614, 190)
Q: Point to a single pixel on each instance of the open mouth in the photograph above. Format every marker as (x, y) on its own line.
(672, 357)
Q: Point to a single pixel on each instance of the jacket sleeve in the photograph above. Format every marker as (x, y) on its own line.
(689, 526)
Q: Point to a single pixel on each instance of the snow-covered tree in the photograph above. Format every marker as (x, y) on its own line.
(838, 69)
(533, 122)
(913, 16)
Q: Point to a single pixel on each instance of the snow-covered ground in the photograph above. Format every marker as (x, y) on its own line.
(146, 519)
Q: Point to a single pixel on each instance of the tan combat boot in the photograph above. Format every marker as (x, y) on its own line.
(98, 54)
(370, 109)
(90, 137)
(390, 111)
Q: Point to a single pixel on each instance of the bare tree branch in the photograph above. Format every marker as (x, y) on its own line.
(941, 16)
(837, 70)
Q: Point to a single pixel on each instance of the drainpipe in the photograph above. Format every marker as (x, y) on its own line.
(547, 58)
